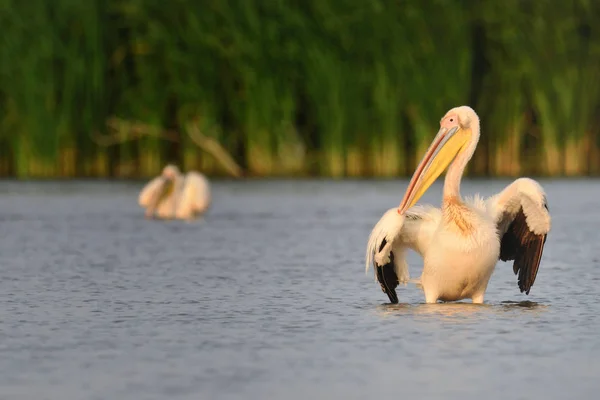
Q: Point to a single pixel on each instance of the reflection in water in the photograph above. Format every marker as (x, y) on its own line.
(525, 304)
(459, 309)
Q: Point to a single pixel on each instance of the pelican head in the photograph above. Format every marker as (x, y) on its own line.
(170, 172)
(456, 134)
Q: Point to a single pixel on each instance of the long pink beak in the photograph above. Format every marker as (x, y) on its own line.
(438, 142)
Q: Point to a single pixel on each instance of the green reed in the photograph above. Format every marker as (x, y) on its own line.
(318, 87)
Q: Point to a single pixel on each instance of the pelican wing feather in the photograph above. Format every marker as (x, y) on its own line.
(391, 237)
(523, 221)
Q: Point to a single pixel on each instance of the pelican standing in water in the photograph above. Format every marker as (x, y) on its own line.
(173, 195)
(460, 242)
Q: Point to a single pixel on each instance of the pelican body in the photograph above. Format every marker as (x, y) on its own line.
(175, 196)
(461, 241)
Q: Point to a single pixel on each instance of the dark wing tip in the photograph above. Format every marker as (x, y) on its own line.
(529, 261)
(386, 275)
(525, 248)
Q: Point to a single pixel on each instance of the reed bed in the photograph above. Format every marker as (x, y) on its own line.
(333, 88)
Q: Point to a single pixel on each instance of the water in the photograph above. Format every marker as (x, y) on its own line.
(267, 298)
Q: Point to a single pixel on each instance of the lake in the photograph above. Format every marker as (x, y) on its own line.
(267, 298)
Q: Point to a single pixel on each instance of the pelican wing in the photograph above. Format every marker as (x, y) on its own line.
(391, 237)
(195, 196)
(150, 192)
(523, 221)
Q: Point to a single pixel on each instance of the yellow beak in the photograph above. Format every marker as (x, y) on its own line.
(162, 192)
(166, 189)
(446, 145)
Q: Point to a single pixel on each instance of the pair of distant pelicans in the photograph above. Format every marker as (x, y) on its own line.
(460, 243)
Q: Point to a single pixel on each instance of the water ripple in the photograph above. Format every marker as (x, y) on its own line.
(266, 297)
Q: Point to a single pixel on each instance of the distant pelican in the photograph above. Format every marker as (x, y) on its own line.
(461, 242)
(172, 195)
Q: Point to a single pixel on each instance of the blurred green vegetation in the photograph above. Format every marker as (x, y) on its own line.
(298, 87)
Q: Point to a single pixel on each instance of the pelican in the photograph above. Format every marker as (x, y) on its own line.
(173, 195)
(461, 241)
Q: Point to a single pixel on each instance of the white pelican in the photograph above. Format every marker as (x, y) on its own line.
(172, 195)
(460, 242)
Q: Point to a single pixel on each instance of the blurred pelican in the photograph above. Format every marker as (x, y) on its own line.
(173, 195)
(460, 242)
